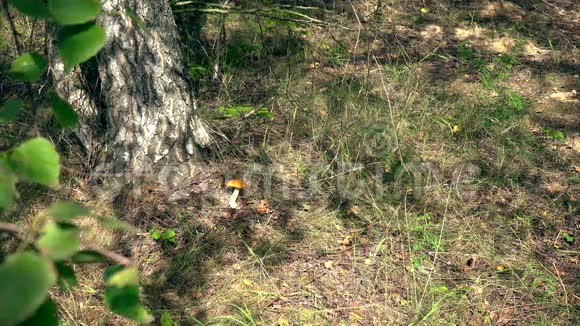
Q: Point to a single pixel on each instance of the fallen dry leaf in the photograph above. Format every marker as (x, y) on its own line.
(247, 282)
(559, 272)
(555, 188)
(292, 224)
(347, 241)
(263, 207)
(503, 316)
(283, 322)
(354, 210)
(228, 213)
(314, 65)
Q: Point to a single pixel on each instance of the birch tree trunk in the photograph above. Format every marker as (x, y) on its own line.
(144, 97)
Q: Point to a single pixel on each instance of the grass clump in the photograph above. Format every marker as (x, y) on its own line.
(408, 179)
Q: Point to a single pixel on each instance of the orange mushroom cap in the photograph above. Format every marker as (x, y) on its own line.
(236, 183)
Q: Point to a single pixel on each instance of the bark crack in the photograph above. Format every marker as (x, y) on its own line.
(150, 109)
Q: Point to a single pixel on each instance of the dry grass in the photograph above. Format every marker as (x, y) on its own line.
(380, 213)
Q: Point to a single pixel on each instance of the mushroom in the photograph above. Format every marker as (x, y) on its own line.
(235, 186)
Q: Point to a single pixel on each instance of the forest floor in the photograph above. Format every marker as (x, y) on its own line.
(416, 163)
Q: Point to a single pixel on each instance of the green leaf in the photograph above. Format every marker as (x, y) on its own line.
(119, 298)
(67, 210)
(76, 44)
(168, 234)
(227, 113)
(156, 235)
(123, 277)
(24, 282)
(122, 302)
(73, 12)
(109, 272)
(45, 315)
(33, 8)
(9, 110)
(64, 113)
(166, 319)
(265, 113)
(240, 111)
(66, 276)
(36, 160)
(87, 257)
(233, 112)
(555, 134)
(567, 237)
(125, 302)
(122, 294)
(28, 67)
(59, 240)
(438, 289)
(8, 192)
(197, 72)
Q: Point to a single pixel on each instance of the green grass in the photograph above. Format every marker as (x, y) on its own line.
(433, 163)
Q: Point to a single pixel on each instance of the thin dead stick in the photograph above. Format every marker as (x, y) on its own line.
(354, 51)
(9, 228)
(19, 51)
(561, 283)
(113, 256)
(6, 11)
(31, 36)
(358, 23)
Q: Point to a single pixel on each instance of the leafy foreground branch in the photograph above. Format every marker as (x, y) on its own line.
(44, 260)
(27, 275)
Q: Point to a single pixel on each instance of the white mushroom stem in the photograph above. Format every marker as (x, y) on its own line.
(233, 198)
